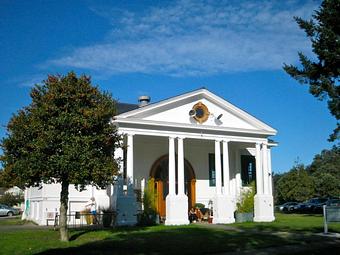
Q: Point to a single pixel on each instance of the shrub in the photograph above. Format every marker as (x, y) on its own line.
(199, 205)
(246, 205)
(11, 200)
(149, 215)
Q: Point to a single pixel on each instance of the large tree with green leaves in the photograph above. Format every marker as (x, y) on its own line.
(296, 185)
(322, 75)
(320, 179)
(325, 170)
(64, 136)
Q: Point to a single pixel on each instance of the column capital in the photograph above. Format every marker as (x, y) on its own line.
(130, 134)
(265, 143)
(218, 140)
(181, 137)
(225, 140)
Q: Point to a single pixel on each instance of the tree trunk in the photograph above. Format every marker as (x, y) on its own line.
(63, 211)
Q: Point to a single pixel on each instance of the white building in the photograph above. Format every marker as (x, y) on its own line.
(197, 147)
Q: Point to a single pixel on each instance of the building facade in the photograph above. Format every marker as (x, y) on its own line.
(192, 148)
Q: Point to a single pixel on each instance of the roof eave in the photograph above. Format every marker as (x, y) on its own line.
(189, 126)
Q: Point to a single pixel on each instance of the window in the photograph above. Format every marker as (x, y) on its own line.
(212, 171)
(248, 169)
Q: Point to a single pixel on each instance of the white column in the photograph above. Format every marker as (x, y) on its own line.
(265, 168)
(172, 175)
(263, 202)
(176, 205)
(223, 205)
(218, 172)
(125, 199)
(129, 160)
(142, 188)
(238, 181)
(270, 173)
(226, 170)
(119, 157)
(259, 185)
(180, 167)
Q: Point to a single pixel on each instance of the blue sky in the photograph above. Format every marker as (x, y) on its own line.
(235, 49)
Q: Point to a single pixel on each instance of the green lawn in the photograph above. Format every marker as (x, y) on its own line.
(292, 223)
(192, 239)
(13, 221)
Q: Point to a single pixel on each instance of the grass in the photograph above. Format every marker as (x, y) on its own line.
(191, 239)
(292, 223)
(13, 221)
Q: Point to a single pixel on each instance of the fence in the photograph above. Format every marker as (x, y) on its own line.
(78, 219)
(330, 214)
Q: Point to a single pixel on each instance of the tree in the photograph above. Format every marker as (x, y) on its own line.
(64, 136)
(11, 200)
(296, 185)
(326, 185)
(328, 161)
(325, 170)
(319, 179)
(323, 74)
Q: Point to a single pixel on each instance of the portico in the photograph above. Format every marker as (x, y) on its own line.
(226, 147)
(224, 196)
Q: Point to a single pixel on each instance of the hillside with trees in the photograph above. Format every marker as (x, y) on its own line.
(319, 179)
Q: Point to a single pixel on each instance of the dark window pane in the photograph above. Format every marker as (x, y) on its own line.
(248, 169)
(199, 112)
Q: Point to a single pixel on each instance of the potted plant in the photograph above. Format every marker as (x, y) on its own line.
(109, 217)
(245, 208)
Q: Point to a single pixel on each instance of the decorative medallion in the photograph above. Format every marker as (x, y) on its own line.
(200, 112)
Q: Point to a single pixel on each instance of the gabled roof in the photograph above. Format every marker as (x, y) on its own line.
(124, 107)
(138, 115)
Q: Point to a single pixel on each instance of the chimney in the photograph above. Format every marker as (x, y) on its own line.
(144, 100)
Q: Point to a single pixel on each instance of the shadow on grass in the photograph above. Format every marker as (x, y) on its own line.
(75, 233)
(172, 240)
(296, 223)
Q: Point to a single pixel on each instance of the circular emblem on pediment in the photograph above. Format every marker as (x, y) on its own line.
(200, 112)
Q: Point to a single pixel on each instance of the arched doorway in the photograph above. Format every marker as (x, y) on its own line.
(160, 175)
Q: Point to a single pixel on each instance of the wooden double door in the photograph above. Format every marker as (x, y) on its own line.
(160, 174)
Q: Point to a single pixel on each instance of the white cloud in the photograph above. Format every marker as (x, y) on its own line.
(190, 37)
(27, 80)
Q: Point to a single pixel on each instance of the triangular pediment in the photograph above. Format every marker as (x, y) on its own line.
(218, 112)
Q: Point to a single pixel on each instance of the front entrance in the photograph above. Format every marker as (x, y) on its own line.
(160, 174)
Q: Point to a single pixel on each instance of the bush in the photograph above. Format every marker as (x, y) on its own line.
(246, 205)
(149, 215)
(11, 200)
(199, 205)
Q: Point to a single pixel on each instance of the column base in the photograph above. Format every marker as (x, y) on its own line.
(223, 210)
(176, 210)
(263, 208)
(126, 205)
